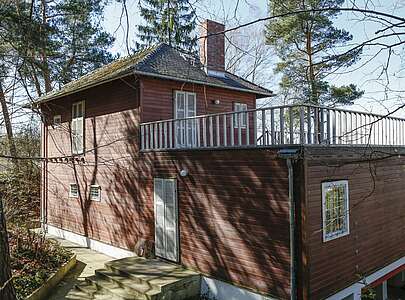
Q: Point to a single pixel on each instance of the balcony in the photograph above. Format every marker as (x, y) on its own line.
(278, 126)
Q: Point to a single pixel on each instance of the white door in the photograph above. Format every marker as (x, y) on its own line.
(184, 107)
(166, 219)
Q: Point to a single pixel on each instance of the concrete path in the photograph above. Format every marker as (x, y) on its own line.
(87, 262)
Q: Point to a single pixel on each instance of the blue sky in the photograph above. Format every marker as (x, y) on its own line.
(366, 77)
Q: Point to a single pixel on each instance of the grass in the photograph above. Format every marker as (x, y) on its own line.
(33, 260)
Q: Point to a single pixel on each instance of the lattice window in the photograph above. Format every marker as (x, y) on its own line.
(95, 192)
(74, 190)
(335, 207)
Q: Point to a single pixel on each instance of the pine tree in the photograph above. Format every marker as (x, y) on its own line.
(168, 21)
(310, 49)
(54, 42)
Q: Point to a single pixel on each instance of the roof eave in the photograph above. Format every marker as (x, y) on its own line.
(261, 94)
(45, 99)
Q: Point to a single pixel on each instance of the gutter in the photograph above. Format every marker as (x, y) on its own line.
(51, 97)
(202, 83)
(289, 155)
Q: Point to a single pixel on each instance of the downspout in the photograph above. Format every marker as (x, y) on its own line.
(44, 185)
(289, 155)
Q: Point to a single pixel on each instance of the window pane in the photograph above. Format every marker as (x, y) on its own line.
(335, 209)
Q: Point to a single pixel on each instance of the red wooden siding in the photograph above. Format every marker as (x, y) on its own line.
(377, 209)
(111, 130)
(233, 205)
(157, 99)
(158, 103)
(233, 214)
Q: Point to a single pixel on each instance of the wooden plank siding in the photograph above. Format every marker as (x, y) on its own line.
(233, 205)
(377, 209)
(111, 145)
(233, 214)
(158, 104)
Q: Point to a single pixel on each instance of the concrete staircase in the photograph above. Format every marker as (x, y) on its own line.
(136, 278)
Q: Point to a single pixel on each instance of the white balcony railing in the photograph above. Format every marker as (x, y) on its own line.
(274, 126)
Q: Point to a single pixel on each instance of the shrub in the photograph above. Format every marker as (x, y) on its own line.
(33, 259)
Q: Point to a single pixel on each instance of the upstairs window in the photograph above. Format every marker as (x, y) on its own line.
(78, 127)
(74, 190)
(335, 209)
(95, 192)
(240, 119)
(57, 121)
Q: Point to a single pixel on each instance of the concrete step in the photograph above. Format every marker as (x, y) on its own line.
(128, 283)
(174, 281)
(112, 287)
(86, 291)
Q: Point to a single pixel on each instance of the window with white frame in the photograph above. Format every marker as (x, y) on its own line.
(95, 192)
(335, 209)
(241, 118)
(57, 121)
(74, 190)
(185, 106)
(78, 127)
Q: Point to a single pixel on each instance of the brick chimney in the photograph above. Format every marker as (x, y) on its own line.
(212, 48)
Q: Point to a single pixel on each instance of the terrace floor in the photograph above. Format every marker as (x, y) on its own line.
(87, 262)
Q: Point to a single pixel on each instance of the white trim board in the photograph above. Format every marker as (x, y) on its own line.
(219, 290)
(81, 240)
(355, 289)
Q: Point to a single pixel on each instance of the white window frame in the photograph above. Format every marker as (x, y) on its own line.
(95, 186)
(71, 195)
(57, 121)
(346, 219)
(75, 121)
(238, 107)
(184, 126)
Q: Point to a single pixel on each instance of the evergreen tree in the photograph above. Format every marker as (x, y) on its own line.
(310, 48)
(54, 41)
(168, 21)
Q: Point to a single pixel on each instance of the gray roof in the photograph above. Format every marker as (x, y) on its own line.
(161, 61)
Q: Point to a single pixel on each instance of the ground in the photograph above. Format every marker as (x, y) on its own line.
(87, 262)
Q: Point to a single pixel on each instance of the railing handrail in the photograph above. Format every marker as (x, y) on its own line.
(294, 124)
(275, 108)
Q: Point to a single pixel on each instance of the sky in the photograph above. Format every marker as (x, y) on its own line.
(365, 74)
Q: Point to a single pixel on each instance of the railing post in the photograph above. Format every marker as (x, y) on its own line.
(322, 126)
(272, 129)
(225, 131)
(239, 122)
(232, 130)
(185, 132)
(204, 119)
(211, 132)
(247, 129)
(291, 125)
(255, 128)
(264, 127)
(302, 130)
(334, 123)
(160, 133)
(309, 137)
(217, 133)
(142, 137)
(316, 126)
(282, 126)
(198, 129)
(328, 127)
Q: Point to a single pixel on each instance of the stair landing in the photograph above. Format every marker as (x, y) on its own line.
(136, 278)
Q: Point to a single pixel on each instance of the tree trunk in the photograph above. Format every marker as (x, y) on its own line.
(7, 291)
(45, 69)
(7, 123)
(313, 97)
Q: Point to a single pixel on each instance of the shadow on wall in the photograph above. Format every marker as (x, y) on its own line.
(233, 205)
